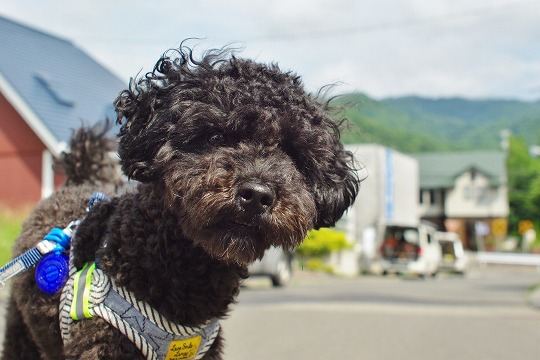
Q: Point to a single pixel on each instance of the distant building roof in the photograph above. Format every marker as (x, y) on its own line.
(439, 170)
(52, 84)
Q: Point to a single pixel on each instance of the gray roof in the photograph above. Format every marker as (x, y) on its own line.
(439, 170)
(53, 84)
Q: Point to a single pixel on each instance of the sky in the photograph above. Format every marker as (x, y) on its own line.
(476, 49)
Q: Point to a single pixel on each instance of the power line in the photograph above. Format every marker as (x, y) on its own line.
(348, 31)
(391, 25)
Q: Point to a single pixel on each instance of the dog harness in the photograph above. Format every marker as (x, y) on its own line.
(90, 292)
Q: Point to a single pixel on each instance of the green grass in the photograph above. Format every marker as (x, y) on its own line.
(10, 227)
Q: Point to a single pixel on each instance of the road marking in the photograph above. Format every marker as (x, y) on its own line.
(400, 309)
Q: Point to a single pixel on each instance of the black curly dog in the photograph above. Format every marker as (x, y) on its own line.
(232, 157)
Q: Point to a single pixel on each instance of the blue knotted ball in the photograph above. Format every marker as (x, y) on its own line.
(52, 272)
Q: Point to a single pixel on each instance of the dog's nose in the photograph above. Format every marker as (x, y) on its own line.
(255, 197)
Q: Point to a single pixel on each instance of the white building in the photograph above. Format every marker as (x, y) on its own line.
(388, 194)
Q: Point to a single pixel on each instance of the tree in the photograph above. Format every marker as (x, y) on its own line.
(523, 185)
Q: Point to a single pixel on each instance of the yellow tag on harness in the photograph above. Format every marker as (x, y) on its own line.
(184, 349)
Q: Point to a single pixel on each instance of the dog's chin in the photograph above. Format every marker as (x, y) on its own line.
(237, 243)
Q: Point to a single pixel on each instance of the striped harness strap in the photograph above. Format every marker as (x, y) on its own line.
(90, 292)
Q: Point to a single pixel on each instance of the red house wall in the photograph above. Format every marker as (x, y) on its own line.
(20, 159)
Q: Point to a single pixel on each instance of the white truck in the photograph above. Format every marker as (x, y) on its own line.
(454, 258)
(388, 201)
(409, 250)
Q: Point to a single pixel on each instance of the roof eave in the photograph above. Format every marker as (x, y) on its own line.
(493, 179)
(30, 117)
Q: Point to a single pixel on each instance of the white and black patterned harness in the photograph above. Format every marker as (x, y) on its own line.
(90, 292)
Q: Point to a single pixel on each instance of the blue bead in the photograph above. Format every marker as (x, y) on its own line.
(52, 272)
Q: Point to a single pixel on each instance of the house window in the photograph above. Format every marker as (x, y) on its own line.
(480, 192)
(421, 196)
(432, 197)
(467, 192)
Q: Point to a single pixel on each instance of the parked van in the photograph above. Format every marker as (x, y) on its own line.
(410, 250)
(453, 256)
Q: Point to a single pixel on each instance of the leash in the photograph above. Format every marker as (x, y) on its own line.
(52, 271)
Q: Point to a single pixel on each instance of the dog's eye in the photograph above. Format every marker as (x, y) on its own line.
(216, 139)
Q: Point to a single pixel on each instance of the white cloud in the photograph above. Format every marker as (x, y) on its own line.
(477, 48)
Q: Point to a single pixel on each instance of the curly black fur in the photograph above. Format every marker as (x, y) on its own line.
(32, 317)
(88, 161)
(233, 157)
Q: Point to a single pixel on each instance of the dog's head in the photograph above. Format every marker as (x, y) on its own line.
(245, 157)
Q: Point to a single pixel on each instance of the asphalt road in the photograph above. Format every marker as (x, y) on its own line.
(483, 315)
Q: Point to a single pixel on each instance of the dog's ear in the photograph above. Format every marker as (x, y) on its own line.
(138, 145)
(313, 140)
(336, 189)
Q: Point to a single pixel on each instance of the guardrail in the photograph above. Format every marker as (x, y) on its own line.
(486, 258)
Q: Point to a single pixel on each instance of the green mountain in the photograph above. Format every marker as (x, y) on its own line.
(415, 124)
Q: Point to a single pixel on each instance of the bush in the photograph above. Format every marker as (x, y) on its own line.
(10, 227)
(317, 264)
(322, 242)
